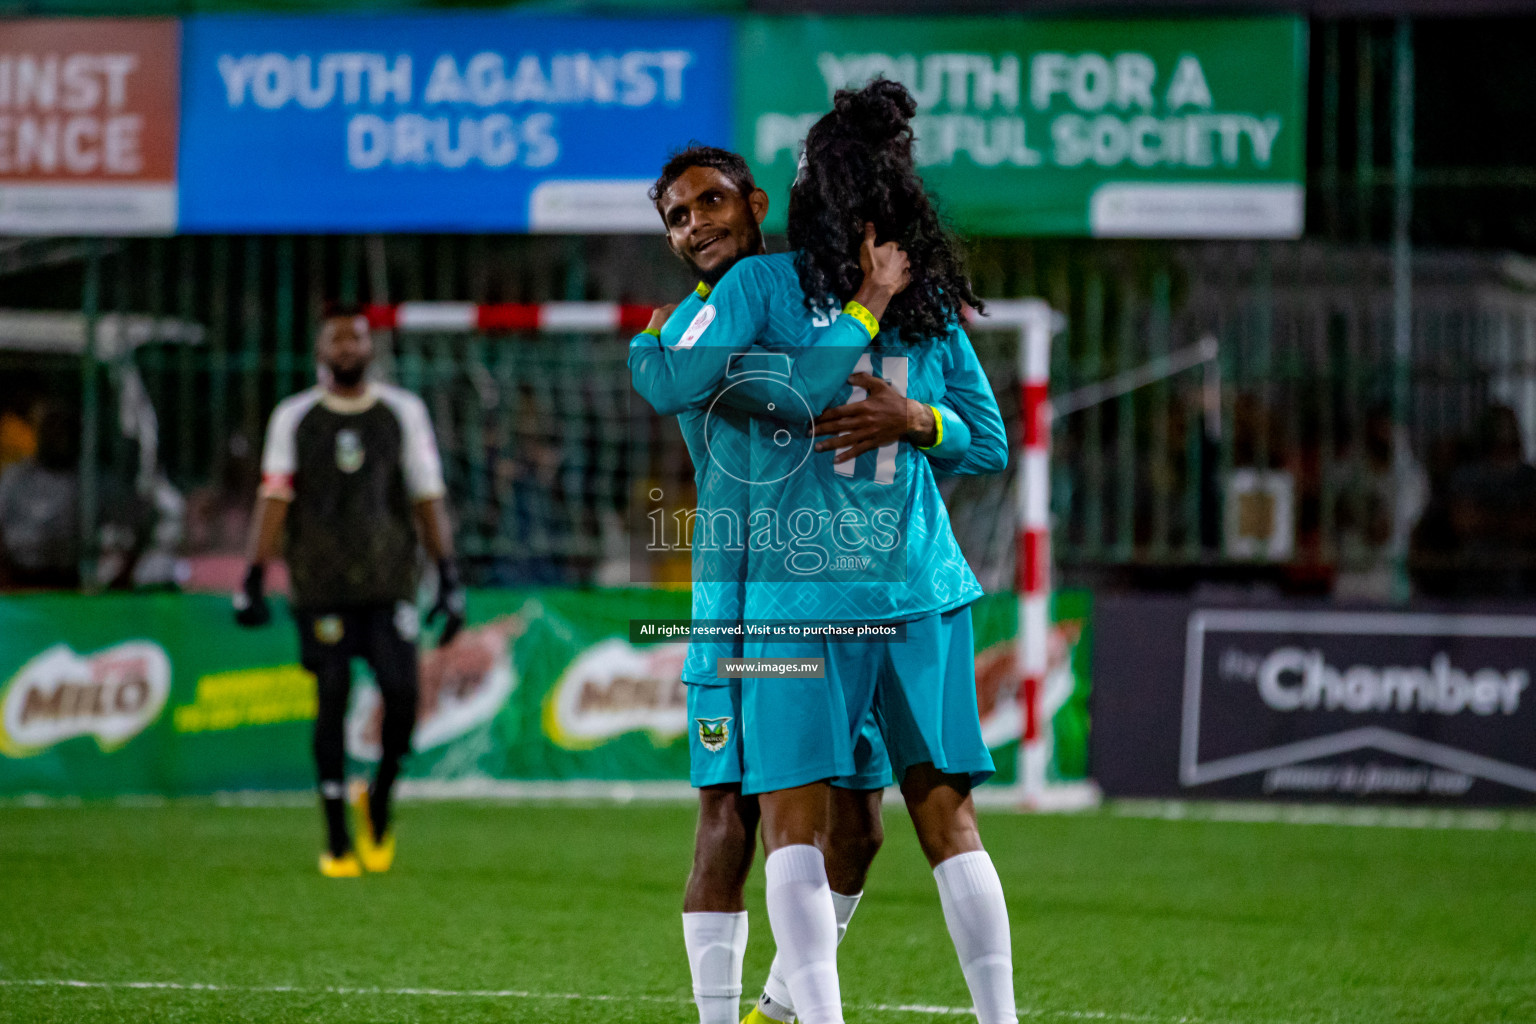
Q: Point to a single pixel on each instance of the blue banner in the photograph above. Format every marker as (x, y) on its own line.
(441, 123)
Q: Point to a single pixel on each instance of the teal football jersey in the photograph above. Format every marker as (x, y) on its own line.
(718, 434)
(707, 368)
(868, 540)
(719, 567)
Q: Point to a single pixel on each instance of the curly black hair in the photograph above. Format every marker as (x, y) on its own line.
(732, 165)
(858, 168)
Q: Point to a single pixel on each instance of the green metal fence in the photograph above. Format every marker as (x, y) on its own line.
(1333, 443)
(1280, 461)
(1232, 412)
(539, 434)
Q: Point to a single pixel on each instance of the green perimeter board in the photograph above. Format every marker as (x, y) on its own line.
(1135, 128)
(121, 694)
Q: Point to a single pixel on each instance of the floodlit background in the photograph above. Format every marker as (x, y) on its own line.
(1279, 264)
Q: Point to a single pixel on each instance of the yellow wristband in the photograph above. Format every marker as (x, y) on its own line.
(938, 430)
(863, 316)
(653, 332)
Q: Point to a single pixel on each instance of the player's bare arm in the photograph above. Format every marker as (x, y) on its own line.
(887, 271)
(874, 421)
(881, 418)
(267, 530)
(967, 420)
(659, 317)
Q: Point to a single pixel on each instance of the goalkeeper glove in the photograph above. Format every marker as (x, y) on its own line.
(449, 603)
(251, 600)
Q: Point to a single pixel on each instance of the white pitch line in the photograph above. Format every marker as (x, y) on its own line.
(1458, 819)
(509, 993)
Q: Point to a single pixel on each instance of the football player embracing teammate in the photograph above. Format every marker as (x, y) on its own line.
(857, 184)
(712, 211)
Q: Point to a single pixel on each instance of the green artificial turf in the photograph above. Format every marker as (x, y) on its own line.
(1114, 918)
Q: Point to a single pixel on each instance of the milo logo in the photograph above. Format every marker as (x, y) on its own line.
(59, 695)
(613, 688)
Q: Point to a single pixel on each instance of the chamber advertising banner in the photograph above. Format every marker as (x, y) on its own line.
(88, 123)
(1124, 128)
(1299, 703)
(111, 695)
(494, 122)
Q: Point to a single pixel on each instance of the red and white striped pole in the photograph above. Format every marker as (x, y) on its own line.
(546, 317)
(1032, 576)
(1034, 544)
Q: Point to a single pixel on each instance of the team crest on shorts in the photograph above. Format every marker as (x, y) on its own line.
(328, 629)
(714, 733)
(349, 451)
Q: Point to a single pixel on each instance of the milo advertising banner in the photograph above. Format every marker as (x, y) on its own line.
(1124, 128)
(132, 694)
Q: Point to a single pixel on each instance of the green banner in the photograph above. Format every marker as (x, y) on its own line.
(1125, 128)
(130, 694)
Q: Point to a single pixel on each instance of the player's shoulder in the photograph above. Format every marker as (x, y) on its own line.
(689, 305)
(949, 343)
(945, 351)
(776, 266)
(404, 404)
(776, 262)
(294, 408)
(955, 338)
(681, 318)
(756, 272)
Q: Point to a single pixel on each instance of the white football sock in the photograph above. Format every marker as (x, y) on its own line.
(771, 1008)
(843, 907)
(778, 1003)
(716, 943)
(804, 923)
(972, 896)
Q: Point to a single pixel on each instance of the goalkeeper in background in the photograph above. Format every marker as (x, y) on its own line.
(350, 480)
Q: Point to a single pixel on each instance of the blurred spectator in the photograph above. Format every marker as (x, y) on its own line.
(219, 514)
(527, 503)
(40, 506)
(1492, 501)
(18, 435)
(218, 519)
(1432, 548)
(142, 528)
(1384, 495)
(1475, 539)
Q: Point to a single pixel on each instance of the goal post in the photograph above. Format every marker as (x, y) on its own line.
(1033, 323)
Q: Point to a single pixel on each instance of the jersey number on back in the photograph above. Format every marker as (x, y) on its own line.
(893, 369)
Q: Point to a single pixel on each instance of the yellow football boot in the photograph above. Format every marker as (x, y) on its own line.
(345, 866)
(756, 1016)
(377, 857)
